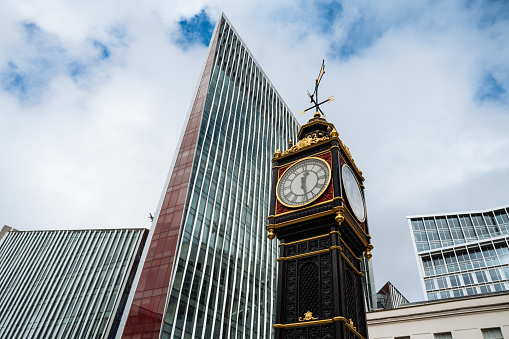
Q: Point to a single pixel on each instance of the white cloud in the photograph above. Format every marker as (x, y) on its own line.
(96, 153)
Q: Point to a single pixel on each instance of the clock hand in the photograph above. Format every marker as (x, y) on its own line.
(303, 181)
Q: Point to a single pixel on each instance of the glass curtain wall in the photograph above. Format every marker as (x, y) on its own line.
(224, 283)
(462, 254)
(66, 284)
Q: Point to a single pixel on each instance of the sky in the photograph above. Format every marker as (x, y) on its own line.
(93, 97)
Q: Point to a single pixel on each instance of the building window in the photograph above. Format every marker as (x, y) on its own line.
(492, 333)
(471, 291)
(499, 287)
(464, 260)
(405, 337)
(428, 266)
(481, 277)
(503, 253)
(490, 255)
(455, 280)
(442, 282)
(457, 293)
(467, 279)
(439, 263)
(432, 296)
(446, 335)
(495, 275)
(445, 295)
(485, 289)
(429, 284)
(477, 258)
(452, 263)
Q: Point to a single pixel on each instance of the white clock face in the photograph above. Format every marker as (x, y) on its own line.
(354, 193)
(303, 182)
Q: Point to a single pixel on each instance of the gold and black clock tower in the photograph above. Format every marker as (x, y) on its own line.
(318, 213)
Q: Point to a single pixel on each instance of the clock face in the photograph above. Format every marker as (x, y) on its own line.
(354, 193)
(303, 182)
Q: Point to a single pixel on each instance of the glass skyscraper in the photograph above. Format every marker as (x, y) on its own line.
(210, 271)
(462, 253)
(66, 284)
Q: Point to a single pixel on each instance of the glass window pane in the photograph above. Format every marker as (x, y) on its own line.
(489, 255)
(492, 333)
(432, 234)
(467, 279)
(452, 263)
(490, 223)
(481, 277)
(464, 260)
(446, 335)
(421, 240)
(442, 282)
(428, 266)
(445, 294)
(444, 232)
(495, 275)
(439, 263)
(429, 283)
(477, 258)
(457, 293)
(455, 280)
(432, 296)
(499, 287)
(485, 289)
(471, 290)
(468, 228)
(506, 272)
(502, 252)
(455, 228)
(480, 227)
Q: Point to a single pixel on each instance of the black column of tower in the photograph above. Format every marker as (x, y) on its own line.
(322, 238)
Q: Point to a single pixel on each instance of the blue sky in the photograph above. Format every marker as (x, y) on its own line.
(94, 96)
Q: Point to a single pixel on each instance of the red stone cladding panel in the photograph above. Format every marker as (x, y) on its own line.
(327, 195)
(146, 313)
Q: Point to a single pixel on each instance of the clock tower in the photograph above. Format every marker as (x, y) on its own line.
(318, 213)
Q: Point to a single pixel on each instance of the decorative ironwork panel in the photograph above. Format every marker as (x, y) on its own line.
(291, 290)
(308, 285)
(326, 285)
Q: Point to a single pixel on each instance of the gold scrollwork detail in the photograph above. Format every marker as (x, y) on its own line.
(308, 316)
(305, 142)
(322, 322)
(350, 323)
(349, 156)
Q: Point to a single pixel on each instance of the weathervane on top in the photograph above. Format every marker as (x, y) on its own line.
(314, 96)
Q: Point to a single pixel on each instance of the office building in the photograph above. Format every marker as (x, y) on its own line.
(209, 271)
(484, 316)
(389, 297)
(462, 253)
(368, 284)
(66, 284)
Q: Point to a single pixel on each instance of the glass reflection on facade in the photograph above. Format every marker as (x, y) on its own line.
(66, 284)
(462, 253)
(224, 283)
(209, 243)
